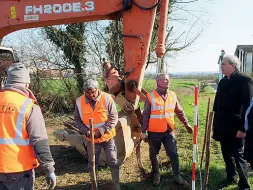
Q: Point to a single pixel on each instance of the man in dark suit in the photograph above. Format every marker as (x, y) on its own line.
(231, 102)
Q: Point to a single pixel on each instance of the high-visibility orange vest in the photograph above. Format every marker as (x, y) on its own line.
(16, 154)
(99, 115)
(162, 112)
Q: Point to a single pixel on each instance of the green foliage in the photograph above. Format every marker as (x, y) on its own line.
(70, 40)
(56, 96)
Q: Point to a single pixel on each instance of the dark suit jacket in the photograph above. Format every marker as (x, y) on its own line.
(231, 102)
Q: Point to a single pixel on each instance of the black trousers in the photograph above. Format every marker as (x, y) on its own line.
(232, 151)
(170, 145)
(248, 148)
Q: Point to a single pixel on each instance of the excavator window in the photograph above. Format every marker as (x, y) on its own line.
(6, 59)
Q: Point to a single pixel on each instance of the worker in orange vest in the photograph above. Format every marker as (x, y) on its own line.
(101, 107)
(23, 136)
(158, 120)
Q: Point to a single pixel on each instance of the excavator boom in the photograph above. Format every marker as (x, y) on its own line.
(16, 15)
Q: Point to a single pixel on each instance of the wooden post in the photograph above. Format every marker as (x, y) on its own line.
(204, 144)
(93, 170)
(208, 139)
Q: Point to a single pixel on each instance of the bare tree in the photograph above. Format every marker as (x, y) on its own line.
(54, 87)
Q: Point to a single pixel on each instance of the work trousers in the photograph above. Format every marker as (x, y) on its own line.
(17, 181)
(110, 149)
(168, 140)
(232, 152)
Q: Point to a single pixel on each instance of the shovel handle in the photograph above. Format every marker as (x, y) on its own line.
(93, 177)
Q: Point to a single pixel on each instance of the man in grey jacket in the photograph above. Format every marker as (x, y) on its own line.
(160, 127)
(23, 136)
(101, 107)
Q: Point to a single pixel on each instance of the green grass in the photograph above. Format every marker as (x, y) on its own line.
(150, 84)
(78, 177)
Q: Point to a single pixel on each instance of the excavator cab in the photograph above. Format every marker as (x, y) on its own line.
(7, 57)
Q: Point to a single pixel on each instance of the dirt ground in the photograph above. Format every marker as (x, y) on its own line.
(72, 173)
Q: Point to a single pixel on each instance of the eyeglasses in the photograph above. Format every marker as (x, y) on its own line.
(91, 91)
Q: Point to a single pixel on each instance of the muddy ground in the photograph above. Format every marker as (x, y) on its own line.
(72, 173)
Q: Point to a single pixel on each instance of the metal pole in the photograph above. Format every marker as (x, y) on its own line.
(195, 134)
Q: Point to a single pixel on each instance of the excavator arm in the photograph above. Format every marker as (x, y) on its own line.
(137, 18)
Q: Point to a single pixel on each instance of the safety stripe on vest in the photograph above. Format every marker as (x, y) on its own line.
(78, 103)
(159, 116)
(97, 125)
(107, 96)
(155, 107)
(19, 124)
(246, 123)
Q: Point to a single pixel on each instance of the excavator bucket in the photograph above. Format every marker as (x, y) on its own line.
(125, 143)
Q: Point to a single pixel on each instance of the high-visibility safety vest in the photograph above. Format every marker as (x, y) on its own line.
(16, 154)
(99, 115)
(162, 112)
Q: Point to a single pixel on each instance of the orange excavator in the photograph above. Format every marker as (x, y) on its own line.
(137, 18)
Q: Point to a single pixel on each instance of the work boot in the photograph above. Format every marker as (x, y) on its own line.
(156, 178)
(178, 180)
(155, 167)
(115, 178)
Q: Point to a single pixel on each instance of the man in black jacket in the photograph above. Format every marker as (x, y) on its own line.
(231, 102)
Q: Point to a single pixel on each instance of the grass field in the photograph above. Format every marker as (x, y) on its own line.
(71, 166)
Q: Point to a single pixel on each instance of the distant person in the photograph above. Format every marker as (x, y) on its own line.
(248, 149)
(101, 107)
(231, 102)
(23, 136)
(158, 120)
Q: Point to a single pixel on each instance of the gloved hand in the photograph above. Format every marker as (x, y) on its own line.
(51, 180)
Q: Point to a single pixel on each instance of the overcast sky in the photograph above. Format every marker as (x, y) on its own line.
(229, 24)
